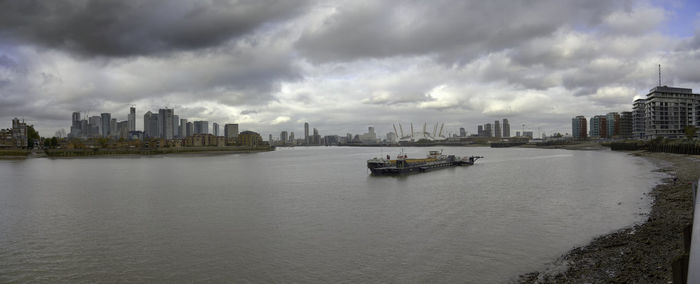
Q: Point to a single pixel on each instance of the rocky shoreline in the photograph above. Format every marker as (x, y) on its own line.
(643, 253)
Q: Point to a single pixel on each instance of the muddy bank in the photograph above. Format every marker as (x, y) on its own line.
(643, 253)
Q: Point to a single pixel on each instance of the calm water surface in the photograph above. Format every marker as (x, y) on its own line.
(309, 215)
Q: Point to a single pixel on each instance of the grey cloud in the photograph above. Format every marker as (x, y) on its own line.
(453, 31)
(248, 112)
(124, 28)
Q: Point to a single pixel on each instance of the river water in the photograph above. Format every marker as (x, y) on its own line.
(309, 214)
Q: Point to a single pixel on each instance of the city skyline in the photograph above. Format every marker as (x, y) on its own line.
(273, 67)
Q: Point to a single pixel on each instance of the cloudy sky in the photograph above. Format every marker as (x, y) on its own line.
(341, 65)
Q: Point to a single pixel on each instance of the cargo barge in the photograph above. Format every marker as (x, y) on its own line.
(402, 165)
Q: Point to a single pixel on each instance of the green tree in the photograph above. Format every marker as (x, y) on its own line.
(47, 143)
(32, 135)
(690, 131)
(54, 142)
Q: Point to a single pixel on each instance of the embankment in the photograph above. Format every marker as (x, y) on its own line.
(149, 151)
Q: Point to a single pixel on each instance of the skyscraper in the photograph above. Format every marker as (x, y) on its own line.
(231, 130)
(291, 137)
(462, 132)
(506, 128)
(201, 127)
(176, 125)
(497, 129)
(488, 131)
(95, 126)
(306, 133)
(190, 129)
(113, 131)
(106, 121)
(132, 119)
(215, 129)
(182, 131)
(283, 137)
(151, 125)
(599, 126)
(480, 131)
(165, 119)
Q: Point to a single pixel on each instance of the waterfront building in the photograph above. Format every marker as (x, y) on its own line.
(283, 137)
(669, 110)
(330, 140)
(517, 133)
(270, 139)
(506, 128)
(249, 138)
(231, 131)
(291, 137)
(528, 134)
(306, 133)
(182, 130)
(369, 137)
(75, 130)
(488, 131)
(201, 127)
(19, 133)
(480, 131)
(613, 119)
(462, 132)
(132, 119)
(638, 109)
(190, 129)
(215, 129)
(106, 121)
(599, 126)
(497, 129)
(578, 127)
(626, 124)
(165, 121)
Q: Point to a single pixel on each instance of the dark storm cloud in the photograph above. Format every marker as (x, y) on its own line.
(455, 31)
(123, 28)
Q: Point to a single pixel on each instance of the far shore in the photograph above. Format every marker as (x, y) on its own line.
(98, 153)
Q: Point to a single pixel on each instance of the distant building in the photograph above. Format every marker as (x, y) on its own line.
(462, 132)
(176, 126)
(123, 129)
(249, 138)
(306, 133)
(488, 131)
(283, 137)
(528, 134)
(201, 127)
(638, 109)
(215, 129)
(190, 129)
(599, 126)
(578, 127)
(165, 119)
(151, 125)
(19, 133)
(182, 131)
(106, 121)
(392, 139)
(330, 140)
(613, 119)
(291, 137)
(316, 139)
(231, 131)
(370, 137)
(506, 128)
(669, 110)
(497, 129)
(480, 131)
(113, 133)
(132, 119)
(626, 124)
(95, 126)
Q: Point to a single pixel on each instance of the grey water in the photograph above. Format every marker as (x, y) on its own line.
(309, 214)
